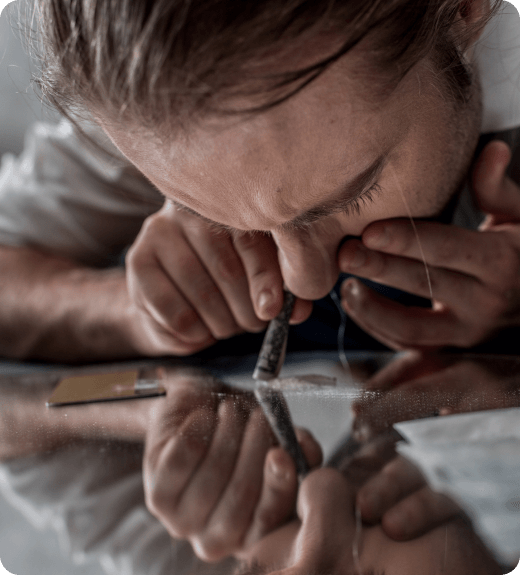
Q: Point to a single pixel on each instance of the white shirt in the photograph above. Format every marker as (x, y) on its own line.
(497, 55)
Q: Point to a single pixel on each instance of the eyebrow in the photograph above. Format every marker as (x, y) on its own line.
(341, 201)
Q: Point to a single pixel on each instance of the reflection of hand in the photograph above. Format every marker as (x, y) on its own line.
(193, 284)
(400, 499)
(211, 473)
(417, 385)
(475, 275)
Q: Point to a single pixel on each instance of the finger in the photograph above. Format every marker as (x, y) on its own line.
(301, 311)
(220, 258)
(186, 271)
(231, 518)
(310, 447)
(398, 326)
(470, 252)
(153, 339)
(178, 459)
(211, 478)
(454, 289)
(277, 501)
(494, 192)
(259, 257)
(419, 513)
(397, 480)
(153, 292)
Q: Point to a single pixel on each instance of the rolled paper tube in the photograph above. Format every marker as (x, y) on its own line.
(272, 353)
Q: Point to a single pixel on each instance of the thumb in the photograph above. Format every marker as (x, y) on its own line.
(495, 193)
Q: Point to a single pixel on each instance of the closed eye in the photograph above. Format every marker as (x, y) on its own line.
(367, 197)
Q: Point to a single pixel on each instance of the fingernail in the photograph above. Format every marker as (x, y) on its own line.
(278, 468)
(379, 238)
(265, 300)
(349, 290)
(355, 259)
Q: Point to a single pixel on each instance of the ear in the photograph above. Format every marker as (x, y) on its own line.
(472, 14)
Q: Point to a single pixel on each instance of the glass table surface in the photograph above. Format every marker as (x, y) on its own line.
(414, 468)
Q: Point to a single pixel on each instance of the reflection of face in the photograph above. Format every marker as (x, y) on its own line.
(320, 541)
(320, 166)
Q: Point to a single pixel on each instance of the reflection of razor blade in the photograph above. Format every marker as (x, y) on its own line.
(107, 386)
(146, 385)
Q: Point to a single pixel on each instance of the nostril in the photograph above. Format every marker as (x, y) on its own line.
(309, 288)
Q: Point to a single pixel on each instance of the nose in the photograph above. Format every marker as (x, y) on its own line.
(308, 261)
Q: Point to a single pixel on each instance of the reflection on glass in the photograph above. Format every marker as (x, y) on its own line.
(194, 482)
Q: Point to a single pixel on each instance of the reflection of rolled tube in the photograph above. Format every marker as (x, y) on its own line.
(277, 413)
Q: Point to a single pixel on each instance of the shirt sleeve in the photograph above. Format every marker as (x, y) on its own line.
(73, 197)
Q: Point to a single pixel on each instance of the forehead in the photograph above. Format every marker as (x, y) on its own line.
(277, 161)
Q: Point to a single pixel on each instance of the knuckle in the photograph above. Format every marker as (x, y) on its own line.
(403, 242)
(379, 264)
(425, 282)
(245, 493)
(261, 278)
(160, 506)
(185, 261)
(443, 249)
(183, 320)
(268, 518)
(187, 445)
(420, 505)
(136, 257)
(157, 225)
(247, 241)
(206, 291)
(228, 268)
(213, 546)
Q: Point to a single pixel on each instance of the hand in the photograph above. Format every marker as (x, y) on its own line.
(192, 284)
(399, 498)
(475, 275)
(212, 474)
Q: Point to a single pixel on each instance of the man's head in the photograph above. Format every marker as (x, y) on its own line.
(305, 120)
(161, 62)
(324, 540)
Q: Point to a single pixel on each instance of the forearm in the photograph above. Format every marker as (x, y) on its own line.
(57, 310)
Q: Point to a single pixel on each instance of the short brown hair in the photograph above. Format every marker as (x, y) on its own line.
(158, 61)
